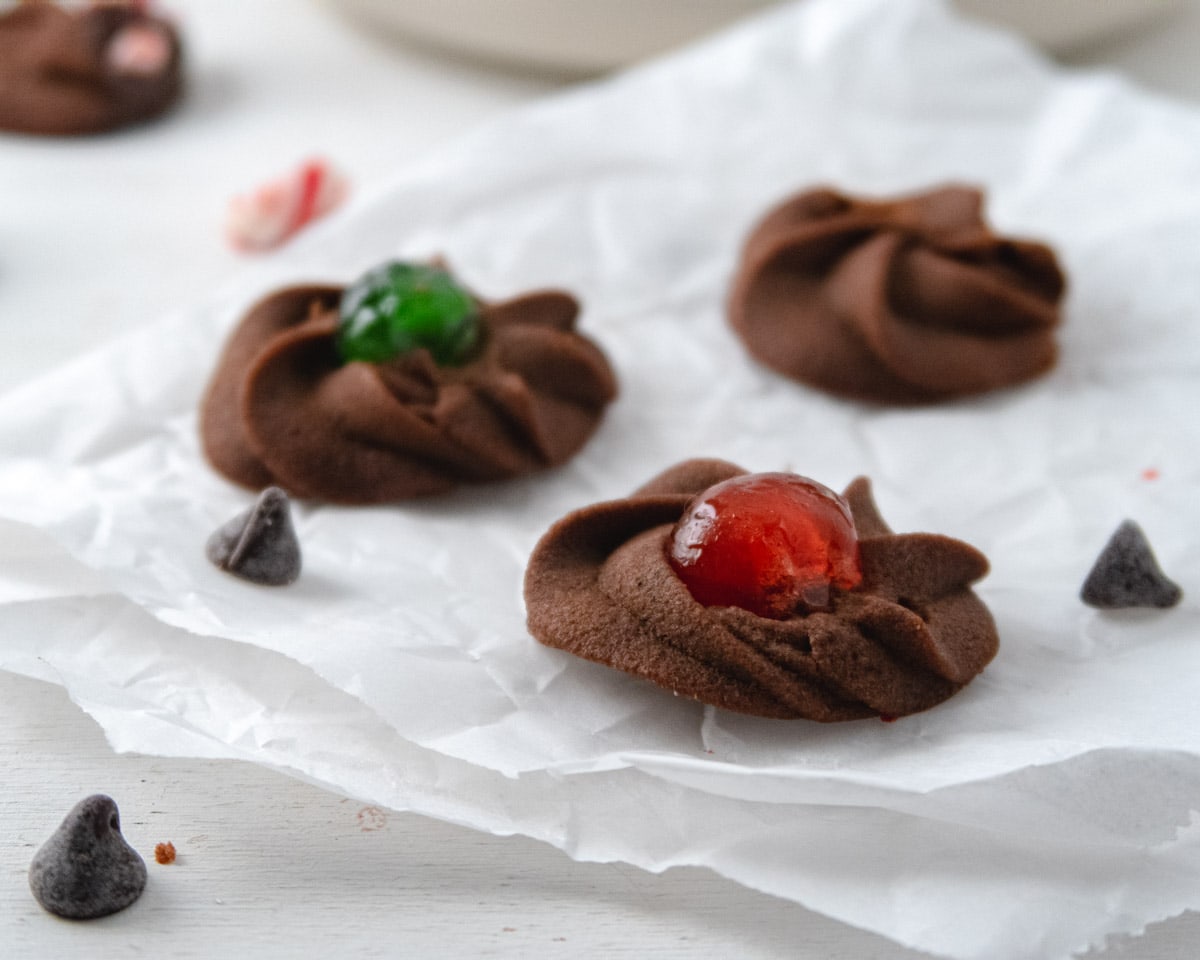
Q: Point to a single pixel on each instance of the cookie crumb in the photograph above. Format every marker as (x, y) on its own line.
(164, 852)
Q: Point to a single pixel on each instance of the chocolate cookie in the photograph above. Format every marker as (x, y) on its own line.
(910, 634)
(285, 408)
(65, 72)
(901, 301)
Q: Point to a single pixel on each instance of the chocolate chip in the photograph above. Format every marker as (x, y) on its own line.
(86, 869)
(259, 544)
(1126, 574)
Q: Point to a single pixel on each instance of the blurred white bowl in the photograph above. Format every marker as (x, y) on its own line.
(571, 36)
(586, 36)
(1069, 25)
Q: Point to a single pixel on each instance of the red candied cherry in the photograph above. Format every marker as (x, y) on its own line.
(771, 543)
(139, 50)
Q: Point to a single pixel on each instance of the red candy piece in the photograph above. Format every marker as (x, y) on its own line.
(770, 543)
(280, 209)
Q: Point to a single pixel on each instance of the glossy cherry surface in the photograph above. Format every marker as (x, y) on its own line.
(771, 543)
(400, 307)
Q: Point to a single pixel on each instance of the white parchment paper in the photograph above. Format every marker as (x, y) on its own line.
(1054, 801)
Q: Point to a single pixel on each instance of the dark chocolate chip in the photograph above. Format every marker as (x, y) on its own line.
(1126, 574)
(86, 869)
(259, 544)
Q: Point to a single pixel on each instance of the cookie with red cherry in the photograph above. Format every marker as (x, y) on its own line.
(767, 594)
(68, 70)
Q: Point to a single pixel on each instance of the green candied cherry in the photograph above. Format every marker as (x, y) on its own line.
(400, 307)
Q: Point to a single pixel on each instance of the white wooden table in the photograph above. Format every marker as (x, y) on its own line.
(269, 866)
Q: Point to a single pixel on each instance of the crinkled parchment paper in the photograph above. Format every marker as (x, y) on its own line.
(1052, 802)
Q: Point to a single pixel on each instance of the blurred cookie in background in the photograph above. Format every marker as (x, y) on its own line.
(72, 70)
